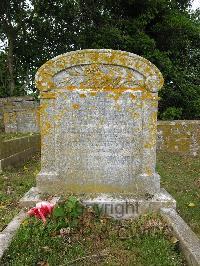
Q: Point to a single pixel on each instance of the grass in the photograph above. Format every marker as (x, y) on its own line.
(9, 136)
(94, 240)
(36, 244)
(180, 176)
(13, 184)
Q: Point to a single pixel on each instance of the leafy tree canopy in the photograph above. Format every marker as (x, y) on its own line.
(166, 32)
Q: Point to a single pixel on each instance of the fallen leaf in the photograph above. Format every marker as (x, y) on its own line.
(25, 222)
(174, 240)
(43, 263)
(46, 248)
(191, 204)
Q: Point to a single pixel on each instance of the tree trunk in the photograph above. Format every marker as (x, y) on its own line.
(10, 62)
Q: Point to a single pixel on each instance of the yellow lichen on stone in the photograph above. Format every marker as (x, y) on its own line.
(44, 76)
(132, 96)
(93, 93)
(148, 145)
(47, 95)
(135, 115)
(148, 171)
(70, 87)
(43, 107)
(118, 107)
(118, 124)
(45, 128)
(76, 106)
(148, 96)
(82, 95)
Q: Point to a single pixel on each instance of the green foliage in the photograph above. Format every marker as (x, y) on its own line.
(58, 212)
(3, 75)
(171, 113)
(165, 32)
(66, 214)
(146, 241)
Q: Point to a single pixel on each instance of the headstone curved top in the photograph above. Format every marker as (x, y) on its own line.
(98, 123)
(153, 79)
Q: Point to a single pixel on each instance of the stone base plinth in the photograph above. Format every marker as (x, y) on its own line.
(122, 207)
(139, 186)
(31, 197)
(114, 205)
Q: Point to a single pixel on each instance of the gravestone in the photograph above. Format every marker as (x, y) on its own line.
(98, 124)
(19, 114)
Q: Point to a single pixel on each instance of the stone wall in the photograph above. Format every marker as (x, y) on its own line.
(16, 151)
(180, 136)
(2, 103)
(19, 114)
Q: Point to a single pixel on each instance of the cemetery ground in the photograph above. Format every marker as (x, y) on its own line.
(97, 239)
(13, 184)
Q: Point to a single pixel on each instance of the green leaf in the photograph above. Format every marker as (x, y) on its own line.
(74, 223)
(61, 224)
(71, 203)
(72, 200)
(59, 212)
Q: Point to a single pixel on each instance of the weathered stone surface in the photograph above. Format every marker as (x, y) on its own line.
(19, 114)
(189, 242)
(181, 136)
(111, 204)
(98, 123)
(126, 207)
(16, 151)
(31, 197)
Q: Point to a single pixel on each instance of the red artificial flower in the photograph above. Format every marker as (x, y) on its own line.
(41, 210)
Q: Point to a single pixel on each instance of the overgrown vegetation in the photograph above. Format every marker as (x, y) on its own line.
(167, 32)
(75, 235)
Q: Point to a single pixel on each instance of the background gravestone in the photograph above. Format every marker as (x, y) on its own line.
(19, 114)
(98, 123)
